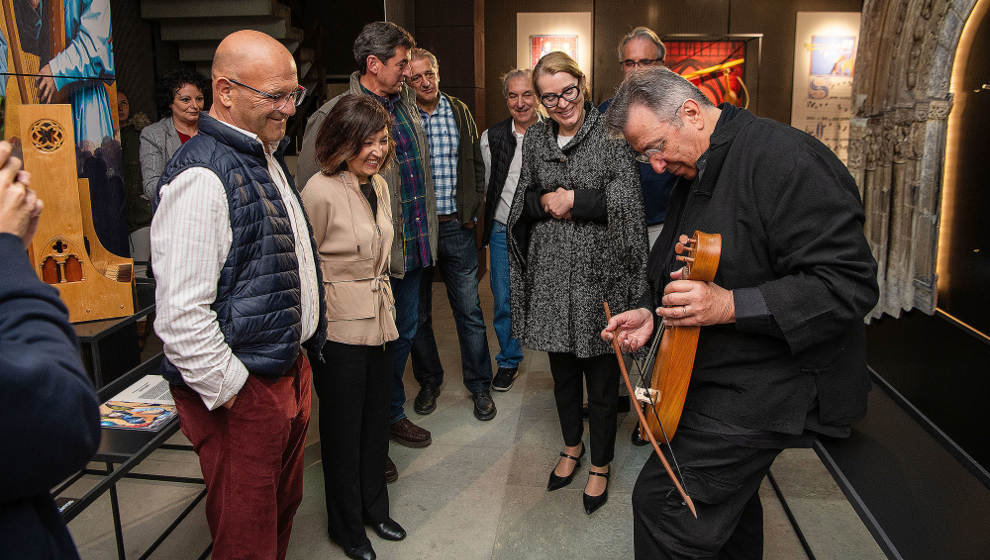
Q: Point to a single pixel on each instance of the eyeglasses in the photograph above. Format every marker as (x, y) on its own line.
(550, 100)
(278, 101)
(643, 62)
(429, 75)
(646, 155)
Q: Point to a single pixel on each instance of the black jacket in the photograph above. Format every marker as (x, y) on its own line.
(51, 422)
(502, 144)
(803, 276)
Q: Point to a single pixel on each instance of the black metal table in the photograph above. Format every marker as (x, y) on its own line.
(91, 333)
(122, 450)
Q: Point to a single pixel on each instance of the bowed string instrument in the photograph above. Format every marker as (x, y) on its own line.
(672, 353)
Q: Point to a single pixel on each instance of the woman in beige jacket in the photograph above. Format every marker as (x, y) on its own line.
(348, 206)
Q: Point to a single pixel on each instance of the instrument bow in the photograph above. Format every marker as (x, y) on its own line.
(674, 360)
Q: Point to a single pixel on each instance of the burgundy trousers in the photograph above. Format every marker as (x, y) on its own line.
(252, 461)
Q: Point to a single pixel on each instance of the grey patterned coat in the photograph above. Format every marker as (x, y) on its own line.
(561, 270)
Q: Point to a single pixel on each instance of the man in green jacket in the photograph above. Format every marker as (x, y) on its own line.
(459, 182)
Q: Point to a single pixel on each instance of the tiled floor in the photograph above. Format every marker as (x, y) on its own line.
(478, 492)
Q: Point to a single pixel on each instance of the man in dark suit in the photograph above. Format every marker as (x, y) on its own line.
(48, 408)
(782, 354)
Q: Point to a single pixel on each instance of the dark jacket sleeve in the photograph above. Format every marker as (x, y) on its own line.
(479, 168)
(825, 273)
(50, 412)
(590, 206)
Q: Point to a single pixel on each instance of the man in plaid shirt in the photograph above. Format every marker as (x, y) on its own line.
(458, 180)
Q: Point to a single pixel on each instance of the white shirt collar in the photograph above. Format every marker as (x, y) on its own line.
(251, 135)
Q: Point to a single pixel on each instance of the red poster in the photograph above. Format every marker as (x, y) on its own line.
(540, 45)
(716, 67)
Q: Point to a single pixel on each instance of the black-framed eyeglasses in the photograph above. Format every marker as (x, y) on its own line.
(278, 101)
(550, 100)
(641, 63)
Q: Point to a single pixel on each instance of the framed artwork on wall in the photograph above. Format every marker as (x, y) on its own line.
(725, 68)
(543, 44)
(538, 33)
(716, 67)
(824, 63)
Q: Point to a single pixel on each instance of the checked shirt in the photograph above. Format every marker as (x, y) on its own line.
(441, 131)
(415, 233)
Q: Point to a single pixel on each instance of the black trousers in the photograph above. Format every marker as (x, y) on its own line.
(354, 387)
(723, 479)
(600, 374)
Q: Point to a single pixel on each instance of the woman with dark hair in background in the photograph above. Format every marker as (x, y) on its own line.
(577, 237)
(348, 207)
(182, 95)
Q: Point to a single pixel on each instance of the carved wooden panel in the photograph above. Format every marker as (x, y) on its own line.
(93, 282)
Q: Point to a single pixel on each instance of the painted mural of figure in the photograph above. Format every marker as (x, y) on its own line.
(84, 64)
(80, 71)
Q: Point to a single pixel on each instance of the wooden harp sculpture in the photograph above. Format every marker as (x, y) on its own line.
(94, 283)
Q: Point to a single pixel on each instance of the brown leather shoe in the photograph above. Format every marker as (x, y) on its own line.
(409, 434)
(391, 471)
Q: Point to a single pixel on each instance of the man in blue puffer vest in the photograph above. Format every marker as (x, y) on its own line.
(239, 296)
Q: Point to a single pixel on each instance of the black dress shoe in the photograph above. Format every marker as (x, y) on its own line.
(363, 552)
(389, 530)
(426, 400)
(558, 482)
(592, 503)
(391, 471)
(636, 439)
(484, 406)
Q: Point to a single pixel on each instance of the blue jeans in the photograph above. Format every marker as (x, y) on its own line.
(457, 259)
(406, 292)
(510, 353)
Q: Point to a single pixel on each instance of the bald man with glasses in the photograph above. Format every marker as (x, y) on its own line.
(239, 298)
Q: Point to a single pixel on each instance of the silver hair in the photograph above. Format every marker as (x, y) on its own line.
(516, 73)
(648, 34)
(418, 53)
(658, 89)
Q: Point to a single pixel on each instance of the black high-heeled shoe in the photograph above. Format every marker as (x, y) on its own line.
(592, 503)
(558, 482)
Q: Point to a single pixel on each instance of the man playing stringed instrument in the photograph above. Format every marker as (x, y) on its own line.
(781, 356)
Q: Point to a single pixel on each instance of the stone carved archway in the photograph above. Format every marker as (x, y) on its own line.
(897, 139)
